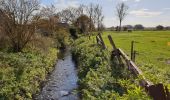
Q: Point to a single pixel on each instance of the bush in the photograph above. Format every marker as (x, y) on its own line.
(98, 76)
(61, 37)
(159, 27)
(73, 33)
(139, 27)
(21, 73)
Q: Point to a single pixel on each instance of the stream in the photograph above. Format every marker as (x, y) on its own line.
(62, 82)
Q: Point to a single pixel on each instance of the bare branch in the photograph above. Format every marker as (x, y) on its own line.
(17, 21)
(121, 12)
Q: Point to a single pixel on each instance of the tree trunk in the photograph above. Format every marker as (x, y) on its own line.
(16, 47)
(120, 25)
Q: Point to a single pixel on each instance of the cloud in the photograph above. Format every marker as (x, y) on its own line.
(126, 0)
(61, 4)
(145, 13)
(131, 0)
(137, 0)
(166, 8)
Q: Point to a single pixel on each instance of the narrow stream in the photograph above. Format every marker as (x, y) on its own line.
(62, 82)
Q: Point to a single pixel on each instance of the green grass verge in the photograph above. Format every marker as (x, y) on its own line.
(100, 78)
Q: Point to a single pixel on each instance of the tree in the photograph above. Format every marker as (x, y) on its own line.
(49, 19)
(90, 12)
(69, 15)
(83, 23)
(17, 21)
(125, 28)
(129, 27)
(159, 27)
(139, 27)
(121, 12)
(167, 28)
(99, 17)
(65, 15)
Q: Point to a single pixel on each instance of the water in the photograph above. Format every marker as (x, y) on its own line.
(62, 82)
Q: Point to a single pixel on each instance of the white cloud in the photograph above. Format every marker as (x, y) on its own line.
(137, 0)
(166, 8)
(126, 0)
(61, 4)
(145, 13)
(133, 0)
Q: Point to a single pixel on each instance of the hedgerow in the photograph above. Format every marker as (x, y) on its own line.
(100, 78)
(22, 73)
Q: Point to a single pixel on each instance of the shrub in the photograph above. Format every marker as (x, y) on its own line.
(73, 33)
(21, 73)
(159, 27)
(99, 78)
(61, 38)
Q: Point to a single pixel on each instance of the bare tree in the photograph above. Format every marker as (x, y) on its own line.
(50, 14)
(81, 9)
(69, 15)
(65, 15)
(90, 12)
(17, 21)
(99, 16)
(48, 11)
(121, 12)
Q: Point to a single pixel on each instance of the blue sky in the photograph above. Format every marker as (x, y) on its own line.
(147, 12)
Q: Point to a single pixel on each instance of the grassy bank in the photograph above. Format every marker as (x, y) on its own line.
(153, 51)
(100, 78)
(21, 73)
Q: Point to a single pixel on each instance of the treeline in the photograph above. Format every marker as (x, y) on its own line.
(21, 20)
(84, 19)
(23, 24)
(139, 27)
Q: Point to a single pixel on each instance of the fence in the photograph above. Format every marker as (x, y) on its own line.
(156, 91)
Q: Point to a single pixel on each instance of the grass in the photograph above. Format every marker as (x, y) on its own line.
(153, 51)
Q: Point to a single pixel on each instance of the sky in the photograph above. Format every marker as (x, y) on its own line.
(149, 13)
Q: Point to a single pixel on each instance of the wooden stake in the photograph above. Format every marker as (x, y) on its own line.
(132, 51)
(115, 50)
(104, 46)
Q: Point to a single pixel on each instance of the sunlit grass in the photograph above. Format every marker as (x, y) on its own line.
(153, 51)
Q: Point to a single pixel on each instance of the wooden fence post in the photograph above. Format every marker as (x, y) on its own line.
(134, 56)
(132, 49)
(115, 50)
(103, 44)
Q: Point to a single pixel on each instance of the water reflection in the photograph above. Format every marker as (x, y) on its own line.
(63, 80)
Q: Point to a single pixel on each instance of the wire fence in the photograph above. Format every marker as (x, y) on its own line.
(156, 91)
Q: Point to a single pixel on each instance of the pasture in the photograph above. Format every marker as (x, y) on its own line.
(153, 50)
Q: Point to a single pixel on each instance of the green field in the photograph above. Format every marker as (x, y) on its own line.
(153, 51)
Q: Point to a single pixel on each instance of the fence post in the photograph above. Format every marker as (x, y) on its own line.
(134, 56)
(97, 40)
(115, 50)
(104, 46)
(132, 49)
